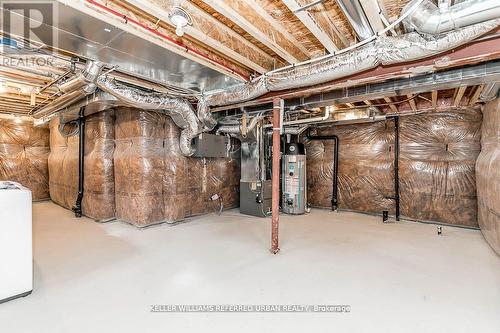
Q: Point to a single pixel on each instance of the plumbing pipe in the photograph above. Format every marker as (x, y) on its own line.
(334, 200)
(396, 164)
(81, 158)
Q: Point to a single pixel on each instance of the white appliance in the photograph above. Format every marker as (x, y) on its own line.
(16, 249)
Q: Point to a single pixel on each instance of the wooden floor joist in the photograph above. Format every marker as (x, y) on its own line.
(211, 32)
(434, 98)
(411, 100)
(458, 96)
(391, 104)
(475, 97)
(247, 18)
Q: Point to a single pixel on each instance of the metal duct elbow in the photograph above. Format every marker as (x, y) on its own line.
(87, 76)
(229, 129)
(74, 89)
(356, 16)
(431, 19)
(178, 109)
(237, 129)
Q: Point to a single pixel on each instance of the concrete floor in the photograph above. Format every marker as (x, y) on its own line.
(399, 277)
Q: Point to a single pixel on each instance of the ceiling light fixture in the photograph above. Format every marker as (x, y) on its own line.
(3, 87)
(180, 18)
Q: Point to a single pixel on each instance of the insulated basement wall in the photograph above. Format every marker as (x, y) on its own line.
(365, 167)
(488, 175)
(24, 150)
(155, 183)
(436, 166)
(438, 153)
(99, 192)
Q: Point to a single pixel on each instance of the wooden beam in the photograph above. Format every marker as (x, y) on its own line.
(459, 94)
(413, 105)
(211, 32)
(368, 102)
(434, 99)
(312, 24)
(249, 20)
(278, 26)
(373, 14)
(475, 96)
(391, 105)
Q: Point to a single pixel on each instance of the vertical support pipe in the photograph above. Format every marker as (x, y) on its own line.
(335, 164)
(81, 156)
(396, 165)
(276, 176)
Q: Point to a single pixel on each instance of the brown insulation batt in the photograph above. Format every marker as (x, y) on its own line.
(154, 182)
(436, 166)
(438, 153)
(99, 192)
(488, 176)
(365, 167)
(24, 150)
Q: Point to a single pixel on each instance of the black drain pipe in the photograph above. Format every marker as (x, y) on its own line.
(81, 156)
(335, 164)
(396, 164)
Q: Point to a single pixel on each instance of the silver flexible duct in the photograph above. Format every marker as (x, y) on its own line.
(384, 50)
(205, 115)
(356, 16)
(178, 109)
(435, 19)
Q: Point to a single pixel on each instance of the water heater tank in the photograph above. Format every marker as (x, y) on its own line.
(294, 195)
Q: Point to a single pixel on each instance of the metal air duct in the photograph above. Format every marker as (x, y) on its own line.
(74, 89)
(354, 13)
(435, 19)
(385, 50)
(178, 109)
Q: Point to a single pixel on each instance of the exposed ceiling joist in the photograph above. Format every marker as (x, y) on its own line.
(411, 100)
(459, 94)
(245, 16)
(475, 97)
(389, 101)
(434, 98)
(212, 33)
(313, 25)
(276, 25)
(373, 14)
(115, 15)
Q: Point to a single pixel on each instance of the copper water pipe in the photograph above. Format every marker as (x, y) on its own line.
(276, 176)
